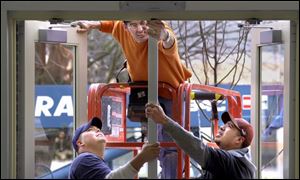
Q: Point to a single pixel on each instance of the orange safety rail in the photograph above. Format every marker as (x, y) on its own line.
(179, 102)
(91, 93)
(235, 106)
(179, 110)
(187, 126)
(233, 98)
(98, 100)
(91, 100)
(218, 90)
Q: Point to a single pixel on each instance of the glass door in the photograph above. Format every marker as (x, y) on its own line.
(271, 110)
(54, 112)
(53, 86)
(272, 99)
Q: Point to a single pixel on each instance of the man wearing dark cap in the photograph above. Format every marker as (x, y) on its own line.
(229, 161)
(89, 142)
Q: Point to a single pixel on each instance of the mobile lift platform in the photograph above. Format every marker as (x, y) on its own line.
(110, 103)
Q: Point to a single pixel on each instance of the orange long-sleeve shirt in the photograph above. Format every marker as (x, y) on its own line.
(170, 68)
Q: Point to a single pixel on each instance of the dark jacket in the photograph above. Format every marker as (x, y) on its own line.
(216, 163)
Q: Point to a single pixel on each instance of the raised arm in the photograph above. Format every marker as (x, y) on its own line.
(148, 153)
(189, 143)
(85, 26)
(129, 170)
(158, 30)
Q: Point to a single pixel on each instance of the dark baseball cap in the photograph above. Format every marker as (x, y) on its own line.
(241, 124)
(95, 121)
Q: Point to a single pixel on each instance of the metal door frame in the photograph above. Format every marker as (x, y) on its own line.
(289, 95)
(201, 10)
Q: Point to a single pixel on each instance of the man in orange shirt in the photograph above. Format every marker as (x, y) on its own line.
(133, 38)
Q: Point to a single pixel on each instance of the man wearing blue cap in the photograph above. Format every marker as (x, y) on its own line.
(89, 142)
(229, 161)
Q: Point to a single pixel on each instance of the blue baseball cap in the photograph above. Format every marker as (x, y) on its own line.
(94, 122)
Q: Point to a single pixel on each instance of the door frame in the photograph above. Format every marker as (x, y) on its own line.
(201, 10)
(289, 94)
(26, 90)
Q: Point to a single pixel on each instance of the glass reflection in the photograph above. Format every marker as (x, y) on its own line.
(53, 106)
(272, 59)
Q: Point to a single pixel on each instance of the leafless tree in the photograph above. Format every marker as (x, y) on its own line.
(53, 64)
(105, 57)
(205, 46)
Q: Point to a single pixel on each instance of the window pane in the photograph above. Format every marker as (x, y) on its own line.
(272, 111)
(53, 106)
